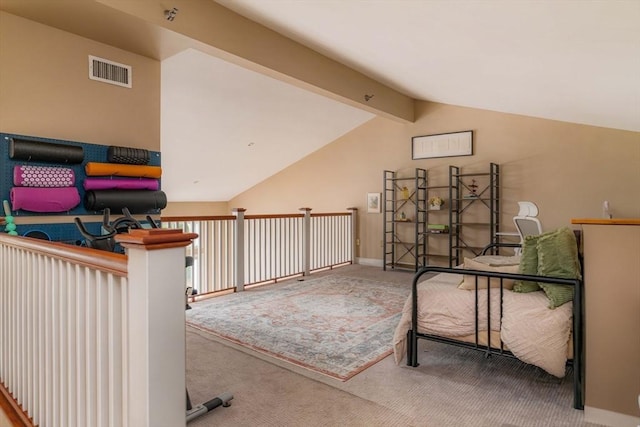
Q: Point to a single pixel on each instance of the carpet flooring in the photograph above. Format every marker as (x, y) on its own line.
(451, 387)
(335, 325)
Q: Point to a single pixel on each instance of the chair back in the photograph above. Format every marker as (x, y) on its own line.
(526, 222)
(527, 226)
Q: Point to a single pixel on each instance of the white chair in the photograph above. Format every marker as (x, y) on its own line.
(526, 222)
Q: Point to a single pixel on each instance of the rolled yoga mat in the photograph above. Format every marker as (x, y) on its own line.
(130, 156)
(115, 169)
(37, 151)
(44, 199)
(137, 201)
(43, 176)
(116, 183)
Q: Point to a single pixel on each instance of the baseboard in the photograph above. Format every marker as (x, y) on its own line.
(372, 262)
(609, 418)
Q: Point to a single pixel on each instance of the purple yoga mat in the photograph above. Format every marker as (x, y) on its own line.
(121, 184)
(43, 176)
(44, 199)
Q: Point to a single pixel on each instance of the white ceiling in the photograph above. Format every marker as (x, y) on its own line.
(225, 129)
(570, 60)
(575, 61)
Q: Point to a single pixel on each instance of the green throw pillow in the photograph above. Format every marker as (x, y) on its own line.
(558, 257)
(528, 264)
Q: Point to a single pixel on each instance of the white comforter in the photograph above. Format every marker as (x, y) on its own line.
(531, 331)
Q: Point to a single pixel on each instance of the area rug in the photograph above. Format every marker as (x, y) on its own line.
(335, 325)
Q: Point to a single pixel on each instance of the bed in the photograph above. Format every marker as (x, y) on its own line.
(507, 306)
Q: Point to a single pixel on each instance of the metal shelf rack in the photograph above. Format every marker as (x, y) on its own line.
(474, 211)
(405, 220)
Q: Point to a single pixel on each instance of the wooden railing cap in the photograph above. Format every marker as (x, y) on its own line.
(155, 238)
(601, 221)
(88, 257)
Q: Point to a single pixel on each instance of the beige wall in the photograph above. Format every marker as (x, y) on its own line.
(45, 90)
(567, 169)
(612, 285)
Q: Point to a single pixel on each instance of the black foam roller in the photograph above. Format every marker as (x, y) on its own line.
(126, 155)
(38, 151)
(137, 201)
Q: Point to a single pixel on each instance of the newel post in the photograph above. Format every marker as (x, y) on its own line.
(238, 237)
(155, 327)
(354, 233)
(306, 241)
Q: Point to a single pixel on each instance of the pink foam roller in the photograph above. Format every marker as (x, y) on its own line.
(44, 199)
(121, 184)
(43, 176)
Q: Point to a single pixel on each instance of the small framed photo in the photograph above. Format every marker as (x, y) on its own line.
(442, 145)
(373, 202)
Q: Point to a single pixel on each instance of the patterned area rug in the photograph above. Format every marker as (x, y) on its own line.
(335, 325)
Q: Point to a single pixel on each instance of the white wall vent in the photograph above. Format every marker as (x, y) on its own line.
(111, 72)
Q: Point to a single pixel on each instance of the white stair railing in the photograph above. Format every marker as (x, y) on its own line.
(90, 338)
(238, 250)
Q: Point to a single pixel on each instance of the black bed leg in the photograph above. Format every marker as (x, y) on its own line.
(412, 349)
(409, 349)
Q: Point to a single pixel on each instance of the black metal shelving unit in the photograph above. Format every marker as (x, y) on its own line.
(405, 220)
(437, 238)
(474, 212)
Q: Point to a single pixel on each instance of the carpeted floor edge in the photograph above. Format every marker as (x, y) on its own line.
(252, 348)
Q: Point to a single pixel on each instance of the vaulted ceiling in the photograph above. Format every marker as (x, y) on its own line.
(575, 61)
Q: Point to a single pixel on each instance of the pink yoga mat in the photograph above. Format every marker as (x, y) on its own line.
(44, 199)
(121, 184)
(43, 176)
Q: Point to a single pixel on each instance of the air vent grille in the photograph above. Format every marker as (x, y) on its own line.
(111, 72)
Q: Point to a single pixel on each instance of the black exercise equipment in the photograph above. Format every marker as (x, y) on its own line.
(127, 155)
(36, 151)
(137, 201)
(107, 242)
(223, 400)
(103, 242)
(190, 291)
(124, 223)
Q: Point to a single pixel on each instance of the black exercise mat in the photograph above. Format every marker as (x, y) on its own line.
(137, 201)
(36, 151)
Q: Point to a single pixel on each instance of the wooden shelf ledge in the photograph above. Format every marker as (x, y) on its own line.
(602, 221)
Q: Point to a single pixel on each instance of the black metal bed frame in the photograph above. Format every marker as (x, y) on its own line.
(578, 316)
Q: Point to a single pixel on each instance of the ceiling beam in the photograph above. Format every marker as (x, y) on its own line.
(226, 34)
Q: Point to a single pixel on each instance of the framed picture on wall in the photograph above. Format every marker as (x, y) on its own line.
(373, 202)
(442, 145)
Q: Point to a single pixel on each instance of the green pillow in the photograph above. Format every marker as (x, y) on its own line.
(557, 294)
(528, 264)
(558, 257)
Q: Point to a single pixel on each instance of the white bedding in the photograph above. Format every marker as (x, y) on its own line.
(533, 332)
